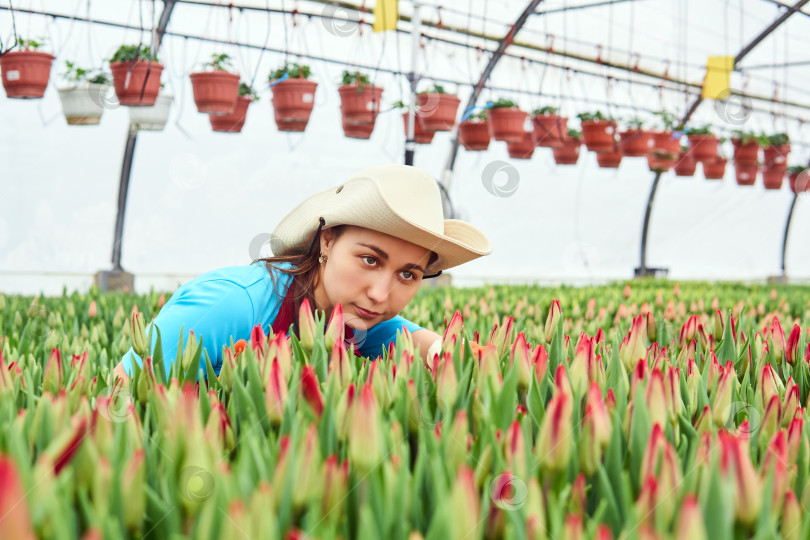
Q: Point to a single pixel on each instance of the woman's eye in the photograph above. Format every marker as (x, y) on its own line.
(410, 275)
(367, 257)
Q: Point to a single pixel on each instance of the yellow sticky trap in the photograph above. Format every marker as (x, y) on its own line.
(386, 14)
(718, 75)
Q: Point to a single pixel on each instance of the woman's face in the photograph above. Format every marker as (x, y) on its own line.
(372, 274)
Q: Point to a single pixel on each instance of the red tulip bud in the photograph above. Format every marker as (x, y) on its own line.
(735, 463)
(15, 519)
(335, 330)
(554, 314)
(792, 351)
(311, 391)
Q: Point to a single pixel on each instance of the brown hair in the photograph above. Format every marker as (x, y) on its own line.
(306, 271)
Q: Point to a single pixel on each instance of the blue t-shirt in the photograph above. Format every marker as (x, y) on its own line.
(227, 303)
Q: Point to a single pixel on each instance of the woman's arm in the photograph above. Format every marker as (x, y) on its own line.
(424, 339)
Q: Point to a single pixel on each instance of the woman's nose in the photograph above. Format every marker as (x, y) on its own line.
(379, 289)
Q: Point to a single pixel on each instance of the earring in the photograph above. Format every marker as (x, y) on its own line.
(322, 259)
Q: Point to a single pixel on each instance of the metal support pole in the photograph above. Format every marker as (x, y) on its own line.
(787, 230)
(643, 270)
(129, 151)
(413, 78)
(496, 56)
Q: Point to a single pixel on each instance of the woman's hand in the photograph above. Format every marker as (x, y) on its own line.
(119, 372)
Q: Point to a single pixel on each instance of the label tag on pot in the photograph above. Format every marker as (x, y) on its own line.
(306, 98)
(13, 75)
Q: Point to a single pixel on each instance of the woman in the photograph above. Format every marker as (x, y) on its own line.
(379, 234)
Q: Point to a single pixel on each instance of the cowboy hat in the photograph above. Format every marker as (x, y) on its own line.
(398, 200)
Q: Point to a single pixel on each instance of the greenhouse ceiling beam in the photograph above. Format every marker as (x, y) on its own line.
(129, 149)
(784, 5)
(643, 270)
(493, 60)
(582, 6)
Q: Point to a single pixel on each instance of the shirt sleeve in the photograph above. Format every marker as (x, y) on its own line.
(217, 310)
(381, 334)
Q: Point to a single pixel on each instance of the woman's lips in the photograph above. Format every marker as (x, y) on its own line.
(365, 313)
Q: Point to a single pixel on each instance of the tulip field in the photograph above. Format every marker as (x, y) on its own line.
(642, 410)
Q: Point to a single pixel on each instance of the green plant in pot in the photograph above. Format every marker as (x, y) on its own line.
(359, 104)
(216, 88)
(136, 75)
(26, 71)
(598, 131)
(84, 96)
(437, 109)
(506, 121)
(634, 140)
(550, 129)
(704, 142)
(293, 96)
(235, 121)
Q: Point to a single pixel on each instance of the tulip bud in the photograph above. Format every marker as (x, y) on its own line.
(573, 528)
(311, 391)
(189, 352)
(689, 331)
(673, 393)
(634, 345)
(735, 463)
(365, 436)
(335, 482)
(794, 437)
(520, 354)
(539, 360)
(652, 329)
(258, 342)
(596, 429)
(656, 399)
(554, 314)
(776, 461)
(138, 334)
(554, 439)
(308, 469)
(769, 384)
(335, 330)
(792, 350)
(92, 311)
(219, 429)
(721, 397)
(16, 519)
(791, 518)
(661, 462)
(276, 393)
(535, 511)
(446, 381)
(792, 403)
(452, 333)
(690, 520)
(464, 514)
(306, 330)
(778, 338)
(54, 374)
(501, 337)
(377, 379)
(339, 366)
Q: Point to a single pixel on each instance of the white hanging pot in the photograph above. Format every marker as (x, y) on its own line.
(83, 103)
(154, 117)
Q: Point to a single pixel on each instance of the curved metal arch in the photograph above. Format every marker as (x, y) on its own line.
(496, 56)
(643, 270)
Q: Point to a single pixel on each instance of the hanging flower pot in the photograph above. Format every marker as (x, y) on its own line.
(746, 173)
(568, 152)
(664, 152)
(136, 75)
(26, 72)
(234, 122)
(473, 133)
(776, 152)
(703, 144)
(216, 90)
(523, 149)
(549, 129)
(437, 109)
(84, 97)
(746, 148)
(715, 169)
(420, 135)
(359, 104)
(686, 163)
(598, 132)
(506, 121)
(154, 117)
(773, 178)
(293, 97)
(799, 179)
(610, 160)
(634, 142)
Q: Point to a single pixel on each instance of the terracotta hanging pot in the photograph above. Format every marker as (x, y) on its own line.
(360, 105)
(549, 129)
(609, 160)
(776, 156)
(523, 149)
(635, 142)
(437, 112)
(420, 135)
(474, 134)
(130, 79)
(568, 152)
(799, 181)
(506, 123)
(773, 178)
(746, 173)
(703, 147)
(686, 164)
(715, 169)
(26, 73)
(234, 122)
(745, 153)
(598, 135)
(215, 92)
(293, 100)
(357, 131)
(664, 152)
